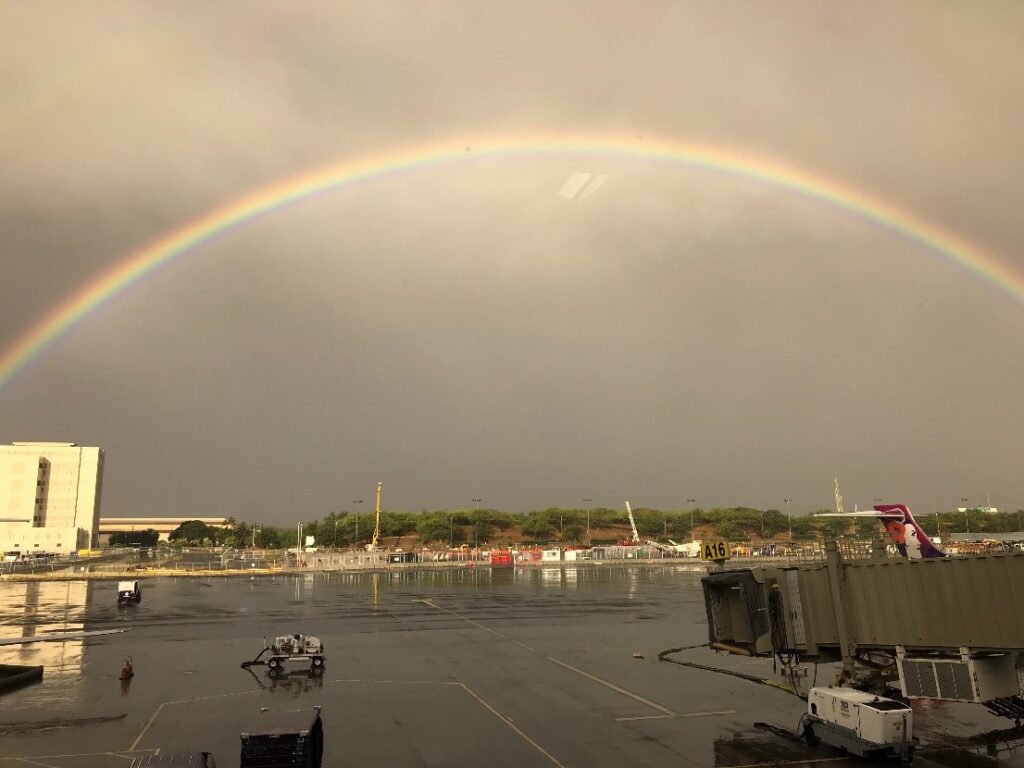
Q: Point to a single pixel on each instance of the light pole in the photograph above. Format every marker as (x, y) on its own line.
(789, 519)
(357, 501)
(476, 525)
(335, 533)
(762, 525)
(451, 530)
(967, 515)
(587, 502)
(691, 502)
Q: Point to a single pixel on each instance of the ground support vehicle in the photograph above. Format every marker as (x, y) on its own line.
(129, 593)
(291, 649)
(860, 723)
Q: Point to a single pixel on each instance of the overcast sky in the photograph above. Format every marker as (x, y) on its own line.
(466, 332)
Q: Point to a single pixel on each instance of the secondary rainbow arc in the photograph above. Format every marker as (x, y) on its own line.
(723, 159)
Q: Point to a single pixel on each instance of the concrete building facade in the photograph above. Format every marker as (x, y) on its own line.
(49, 497)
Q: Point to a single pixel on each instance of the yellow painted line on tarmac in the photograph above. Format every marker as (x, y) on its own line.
(33, 762)
(513, 726)
(583, 673)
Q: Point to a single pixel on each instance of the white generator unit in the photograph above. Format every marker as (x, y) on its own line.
(860, 723)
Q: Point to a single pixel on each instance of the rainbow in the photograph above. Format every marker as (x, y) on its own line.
(297, 189)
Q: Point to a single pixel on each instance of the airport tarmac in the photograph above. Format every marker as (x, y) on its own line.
(524, 667)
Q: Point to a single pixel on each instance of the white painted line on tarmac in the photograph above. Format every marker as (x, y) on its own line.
(472, 693)
(674, 715)
(33, 762)
(145, 728)
(599, 680)
(513, 726)
(181, 701)
(608, 684)
(78, 754)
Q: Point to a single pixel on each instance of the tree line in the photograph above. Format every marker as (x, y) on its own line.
(565, 525)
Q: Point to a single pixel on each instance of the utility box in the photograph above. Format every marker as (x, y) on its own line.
(965, 679)
(860, 723)
(282, 739)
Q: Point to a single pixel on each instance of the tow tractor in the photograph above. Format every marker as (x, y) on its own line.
(129, 593)
(286, 649)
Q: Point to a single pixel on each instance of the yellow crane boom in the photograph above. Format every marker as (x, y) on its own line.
(376, 525)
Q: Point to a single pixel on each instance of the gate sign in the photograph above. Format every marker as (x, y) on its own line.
(714, 550)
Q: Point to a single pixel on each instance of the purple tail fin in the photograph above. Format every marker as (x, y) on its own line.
(905, 532)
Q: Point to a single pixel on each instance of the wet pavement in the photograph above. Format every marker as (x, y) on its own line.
(535, 666)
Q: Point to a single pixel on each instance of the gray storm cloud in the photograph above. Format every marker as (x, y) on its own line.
(465, 331)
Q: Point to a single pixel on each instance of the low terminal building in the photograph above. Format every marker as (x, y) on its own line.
(164, 526)
(49, 497)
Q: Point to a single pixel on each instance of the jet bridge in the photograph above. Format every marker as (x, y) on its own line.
(948, 628)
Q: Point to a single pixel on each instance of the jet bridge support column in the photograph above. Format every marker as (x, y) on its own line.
(840, 600)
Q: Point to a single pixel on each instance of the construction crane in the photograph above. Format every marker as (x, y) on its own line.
(372, 546)
(632, 524)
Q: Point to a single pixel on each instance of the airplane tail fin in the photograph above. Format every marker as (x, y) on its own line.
(904, 531)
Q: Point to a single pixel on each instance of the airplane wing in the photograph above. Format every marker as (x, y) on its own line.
(870, 513)
(57, 637)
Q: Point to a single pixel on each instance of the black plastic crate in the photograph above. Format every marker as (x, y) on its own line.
(287, 739)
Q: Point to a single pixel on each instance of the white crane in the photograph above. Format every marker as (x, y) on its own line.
(632, 524)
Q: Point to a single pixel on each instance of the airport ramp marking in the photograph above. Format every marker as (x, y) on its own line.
(79, 754)
(33, 762)
(152, 719)
(511, 725)
(599, 680)
(507, 721)
(807, 761)
(709, 713)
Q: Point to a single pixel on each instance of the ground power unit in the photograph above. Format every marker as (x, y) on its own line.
(860, 723)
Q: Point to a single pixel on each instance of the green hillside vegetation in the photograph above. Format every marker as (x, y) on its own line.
(440, 528)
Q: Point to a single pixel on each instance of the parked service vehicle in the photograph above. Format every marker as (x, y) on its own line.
(296, 648)
(860, 723)
(129, 593)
